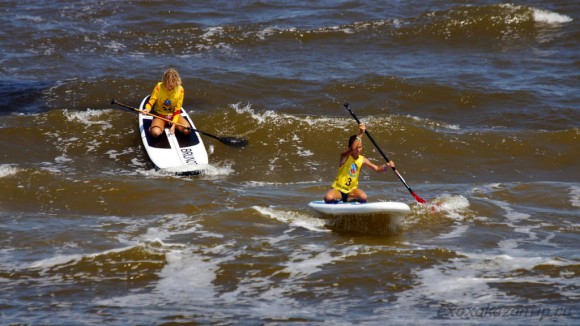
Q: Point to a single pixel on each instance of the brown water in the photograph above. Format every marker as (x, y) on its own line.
(478, 105)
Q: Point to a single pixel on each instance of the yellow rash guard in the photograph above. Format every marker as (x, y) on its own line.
(347, 177)
(166, 103)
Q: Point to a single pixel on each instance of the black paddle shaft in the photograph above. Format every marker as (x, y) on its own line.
(233, 141)
(368, 135)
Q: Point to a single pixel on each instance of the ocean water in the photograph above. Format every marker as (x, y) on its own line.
(477, 102)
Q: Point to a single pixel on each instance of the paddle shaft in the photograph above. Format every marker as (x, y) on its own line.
(419, 199)
(225, 140)
(159, 117)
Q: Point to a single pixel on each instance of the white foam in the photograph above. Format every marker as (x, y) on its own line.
(113, 154)
(468, 279)
(457, 231)
(213, 31)
(185, 275)
(34, 19)
(435, 124)
(115, 46)
(135, 161)
(270, 295)
(272, 117)
(184, 169)
(304, 261)
(575, 196)
(62, 159)
(171, 224)
(304, 153)
(88, 117)
(293, 218)
(50, 167)
(494, 186)
(455, 286)
(70, 259)
(215, 170)
(7, 170)
(453, 206)
(211, 36)
(207, 170)
(453, 203)
(267, 32)
(308, 260)
(261, 118)
(7, 260)
(511, 214)
(526, 229)
(545, 16)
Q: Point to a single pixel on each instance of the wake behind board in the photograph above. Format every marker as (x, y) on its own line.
(176, 153)
(376, 218)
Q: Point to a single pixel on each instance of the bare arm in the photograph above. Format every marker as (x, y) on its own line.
(361, 130)
(343, 156)
(378, 168)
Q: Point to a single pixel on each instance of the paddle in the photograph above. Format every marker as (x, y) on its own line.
(419, 199)
(232, 141)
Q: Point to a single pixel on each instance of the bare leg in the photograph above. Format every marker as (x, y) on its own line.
(157, 126)
(358, 195)
(332, 195)
(184, 122)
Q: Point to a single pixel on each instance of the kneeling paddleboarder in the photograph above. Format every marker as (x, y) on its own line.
(345, 186)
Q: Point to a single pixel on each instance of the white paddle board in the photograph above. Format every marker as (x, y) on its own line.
(376, 218)
(177, 153)
(395, 209)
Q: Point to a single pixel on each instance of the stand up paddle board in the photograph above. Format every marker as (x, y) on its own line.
(376, 218)
(394, 209)
(177, 153)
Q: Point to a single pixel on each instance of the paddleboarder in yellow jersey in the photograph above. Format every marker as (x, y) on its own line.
(345, 186)
(166, 102)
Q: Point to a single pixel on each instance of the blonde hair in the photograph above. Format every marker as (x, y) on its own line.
(171, 78)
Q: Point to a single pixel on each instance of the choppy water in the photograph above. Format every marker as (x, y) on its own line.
(477, 102)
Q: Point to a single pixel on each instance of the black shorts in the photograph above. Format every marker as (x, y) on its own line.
(344, 196)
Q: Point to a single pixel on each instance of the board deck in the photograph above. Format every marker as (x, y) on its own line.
(396, 209)
(177, 152)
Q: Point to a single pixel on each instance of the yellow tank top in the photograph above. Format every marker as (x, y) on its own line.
(347, 177)
(165, 102)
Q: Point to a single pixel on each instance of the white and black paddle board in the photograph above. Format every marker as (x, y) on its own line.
(178, 153)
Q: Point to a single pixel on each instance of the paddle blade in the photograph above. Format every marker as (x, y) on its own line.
(234, 141)
(419, 199)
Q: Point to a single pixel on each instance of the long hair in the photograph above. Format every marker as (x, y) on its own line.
(171, 78)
